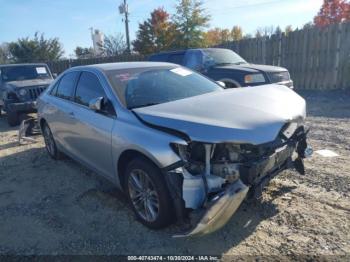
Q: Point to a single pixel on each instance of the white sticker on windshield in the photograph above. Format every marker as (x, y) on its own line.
(41, 70)
(181, 71)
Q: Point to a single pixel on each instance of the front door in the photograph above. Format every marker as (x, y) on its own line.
(60, 110)
(93, 145)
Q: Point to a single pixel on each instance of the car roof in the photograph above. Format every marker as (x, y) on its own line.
(23, 64)
(125, 65)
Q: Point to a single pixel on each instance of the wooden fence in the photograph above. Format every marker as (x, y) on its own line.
(316, 58)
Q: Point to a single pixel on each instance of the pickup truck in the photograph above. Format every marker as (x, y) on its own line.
(20, 86)
(226, 66)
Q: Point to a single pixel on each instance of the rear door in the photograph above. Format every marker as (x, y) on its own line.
(93, 145)
(61, 110)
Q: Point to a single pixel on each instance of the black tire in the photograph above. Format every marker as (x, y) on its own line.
(164, 212)
(50, 143)
(12, 118)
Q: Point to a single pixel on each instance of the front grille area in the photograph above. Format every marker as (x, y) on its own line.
(35, 92)
(289, 135)
(277, 77)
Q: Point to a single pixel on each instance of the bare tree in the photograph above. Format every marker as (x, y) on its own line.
(265, 31)
(113, 45)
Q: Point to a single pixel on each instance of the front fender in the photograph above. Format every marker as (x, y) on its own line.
(154, 144)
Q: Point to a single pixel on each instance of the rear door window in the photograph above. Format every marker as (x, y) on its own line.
(88, 88)
(66, 86)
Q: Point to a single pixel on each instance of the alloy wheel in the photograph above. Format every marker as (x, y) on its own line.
(143, 195)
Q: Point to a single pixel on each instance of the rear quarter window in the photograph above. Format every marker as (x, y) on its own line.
(66, 86)
(53, 90)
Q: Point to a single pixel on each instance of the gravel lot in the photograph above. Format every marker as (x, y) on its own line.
(59, 207)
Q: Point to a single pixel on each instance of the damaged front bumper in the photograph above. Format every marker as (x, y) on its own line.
(219, 210)
(254, 175)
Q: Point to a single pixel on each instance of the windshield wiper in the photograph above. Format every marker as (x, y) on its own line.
(240, 63)
(143, 105)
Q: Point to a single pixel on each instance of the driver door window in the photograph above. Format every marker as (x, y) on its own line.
(88, 88)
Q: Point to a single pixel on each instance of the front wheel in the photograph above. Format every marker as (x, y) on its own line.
(148, 194)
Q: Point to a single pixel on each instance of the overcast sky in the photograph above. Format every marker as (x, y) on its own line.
(70, 20)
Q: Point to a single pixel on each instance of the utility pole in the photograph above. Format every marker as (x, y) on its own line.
(123, 9)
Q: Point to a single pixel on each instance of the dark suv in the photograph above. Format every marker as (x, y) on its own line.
(226, 66)
(20, 85)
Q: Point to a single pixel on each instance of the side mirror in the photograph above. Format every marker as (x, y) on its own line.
(96, 104)
(221, 83)
(54, 75)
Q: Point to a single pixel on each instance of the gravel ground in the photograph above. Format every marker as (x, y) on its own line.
(59, 207)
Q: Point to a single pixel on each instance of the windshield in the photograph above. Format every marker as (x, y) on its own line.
(18, 73)
(221, 57)
(140, 87)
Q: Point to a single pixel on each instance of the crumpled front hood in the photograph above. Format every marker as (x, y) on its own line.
(253, 115)
(29, 83)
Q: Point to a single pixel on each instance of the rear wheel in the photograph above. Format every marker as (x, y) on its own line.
(148, 194)
(50, 143)
(12, 118)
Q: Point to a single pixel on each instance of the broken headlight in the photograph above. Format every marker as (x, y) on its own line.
(221, 156)
(180, 150)
(190, 157)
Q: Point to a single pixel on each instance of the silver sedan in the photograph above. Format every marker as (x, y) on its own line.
(174, 141)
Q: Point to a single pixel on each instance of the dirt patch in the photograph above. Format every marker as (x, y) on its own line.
(59, 207)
